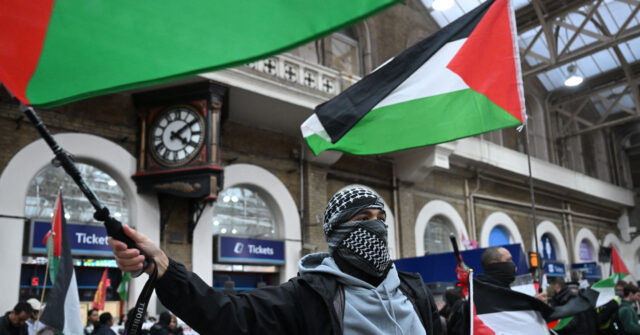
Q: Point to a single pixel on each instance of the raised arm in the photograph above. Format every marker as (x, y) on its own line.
(273, 310)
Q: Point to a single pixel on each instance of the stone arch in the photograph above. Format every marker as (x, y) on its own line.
(14, 182)
(562, 254)
(433, 208)
(585, 234)
(391, 223)
(501, 219)
(278, 198)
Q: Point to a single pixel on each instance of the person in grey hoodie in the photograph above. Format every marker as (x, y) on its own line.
(352, 289)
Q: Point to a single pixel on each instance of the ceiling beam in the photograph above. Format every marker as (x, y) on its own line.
(584, 51)
(527, 19)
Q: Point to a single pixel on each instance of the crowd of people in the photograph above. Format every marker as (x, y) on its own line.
(23, 320)
(353, 289)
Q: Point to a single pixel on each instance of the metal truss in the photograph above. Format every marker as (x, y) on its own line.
(550, 15)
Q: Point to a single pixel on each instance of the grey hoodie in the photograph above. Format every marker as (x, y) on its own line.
(368, 309)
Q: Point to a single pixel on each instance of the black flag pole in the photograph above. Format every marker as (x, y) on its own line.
(111, 224)
(533, 210)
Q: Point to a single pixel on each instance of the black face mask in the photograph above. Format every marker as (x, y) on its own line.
(504, 272)
(363, 247)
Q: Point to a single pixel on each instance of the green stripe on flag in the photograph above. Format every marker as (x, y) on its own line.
(122, 289)
(447, 117)
(563, 323)
(54, 262)
(102, 46)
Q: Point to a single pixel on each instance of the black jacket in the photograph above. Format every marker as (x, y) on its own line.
(101, 329)
(312, 303)
(6, 328)
(585, 323)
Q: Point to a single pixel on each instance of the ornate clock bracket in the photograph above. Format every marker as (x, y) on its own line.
(196, 208)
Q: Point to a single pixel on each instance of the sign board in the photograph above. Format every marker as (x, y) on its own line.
(249, 250)
(554, 269)
(591, 269)
(84, 239)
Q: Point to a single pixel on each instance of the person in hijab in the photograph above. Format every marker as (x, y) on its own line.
(352, 289)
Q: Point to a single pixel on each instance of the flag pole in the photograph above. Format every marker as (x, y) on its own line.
(533, 207)
(44, 287)
(471, 301)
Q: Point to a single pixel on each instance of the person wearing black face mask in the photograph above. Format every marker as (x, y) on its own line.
(352, 289)
(500, 270)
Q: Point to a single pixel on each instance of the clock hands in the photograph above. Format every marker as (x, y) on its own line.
(178, 134)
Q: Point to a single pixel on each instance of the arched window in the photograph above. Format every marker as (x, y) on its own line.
(548, 248)
(436, 236)
(242, 211)
(499, 236)
(43, 190)
(586, 251)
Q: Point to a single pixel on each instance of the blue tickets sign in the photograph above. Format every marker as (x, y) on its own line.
(591, 269)
(84, 239)
(553, 269)
(249, 250)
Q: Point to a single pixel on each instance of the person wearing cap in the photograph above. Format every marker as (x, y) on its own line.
(14, 321)
(31, 323)
(352, 289)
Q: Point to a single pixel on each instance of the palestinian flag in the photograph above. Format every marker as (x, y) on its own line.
(63, 304)
(56, 51)
(101, 293)
(617, 264)
(53, 239)
(461, 81)
(123, 287)
(502, 311)
(607, 288)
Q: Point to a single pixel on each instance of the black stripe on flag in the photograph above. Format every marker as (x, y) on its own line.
(493, 299)
(341, 113)
(53, 315)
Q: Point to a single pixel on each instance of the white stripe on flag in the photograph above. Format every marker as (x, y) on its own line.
(515, 322)
(72, 313)
(432, 78)
(313, 126)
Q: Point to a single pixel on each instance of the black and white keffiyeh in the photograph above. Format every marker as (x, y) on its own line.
(347, 203)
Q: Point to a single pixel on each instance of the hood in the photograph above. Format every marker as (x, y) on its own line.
(323, 262)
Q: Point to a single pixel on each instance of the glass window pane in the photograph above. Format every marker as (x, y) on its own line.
(436, 236)
(43, 190)
(499, 236)
(586, 251)
(243, 212)
(548, 248)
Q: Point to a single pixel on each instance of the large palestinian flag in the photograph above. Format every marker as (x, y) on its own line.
(503, 311)
(62, 311)
(463, 80)
(56, 51)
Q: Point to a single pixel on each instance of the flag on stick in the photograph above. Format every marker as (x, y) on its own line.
(101, 292)
(53, 239)
(56, 51)
(124, 285)
(63, 304)
(617, 263)
(461, 81)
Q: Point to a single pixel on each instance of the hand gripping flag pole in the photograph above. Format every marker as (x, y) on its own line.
(112, 225)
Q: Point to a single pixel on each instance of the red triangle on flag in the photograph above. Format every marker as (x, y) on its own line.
(488, 60)
(56, 226)
(617, 263)
(479, 328)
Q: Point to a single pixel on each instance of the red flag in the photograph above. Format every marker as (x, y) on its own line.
(617, 263)
(56, 230)
(101, 292)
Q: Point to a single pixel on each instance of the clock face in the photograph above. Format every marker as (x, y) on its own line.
(176, 135)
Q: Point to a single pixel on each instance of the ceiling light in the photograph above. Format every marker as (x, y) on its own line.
(226, 198)
(112, 183)
(442, 4)
(223, 230)
(233, 231)
(573, 79)
(234, 198)
(216, 222)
